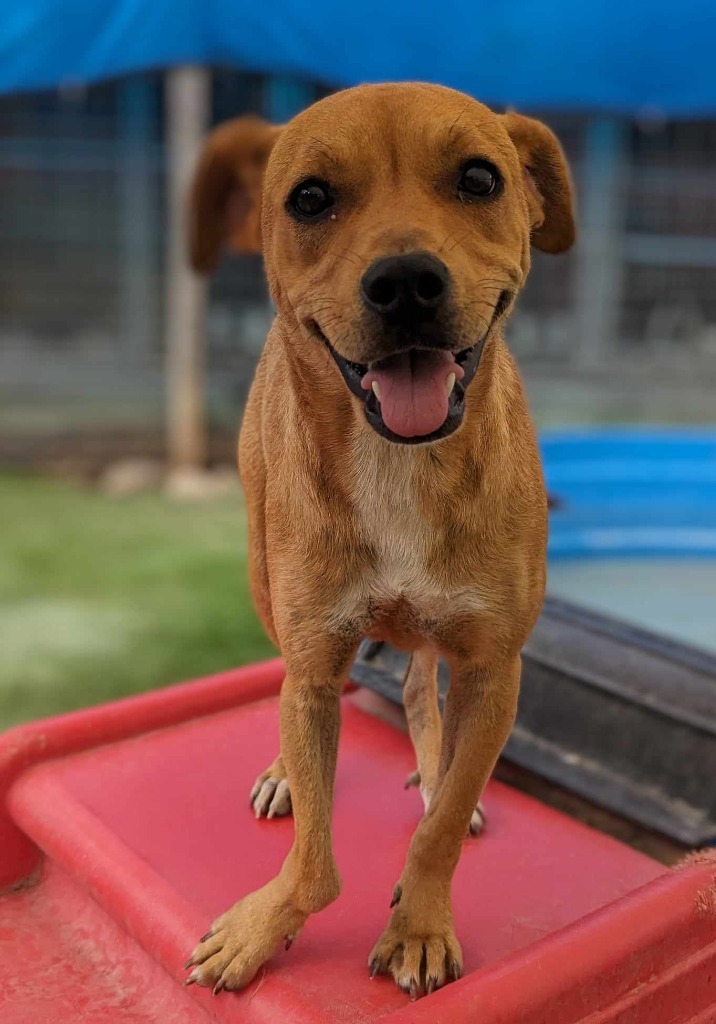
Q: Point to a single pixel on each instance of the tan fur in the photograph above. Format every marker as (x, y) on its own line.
(438, 548)
(420, 699)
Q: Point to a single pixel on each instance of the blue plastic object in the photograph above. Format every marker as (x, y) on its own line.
(625, 57)
(631, 492)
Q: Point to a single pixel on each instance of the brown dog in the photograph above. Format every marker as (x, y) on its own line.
(393, 483)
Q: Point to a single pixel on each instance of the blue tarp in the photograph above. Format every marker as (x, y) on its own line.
(612, 55)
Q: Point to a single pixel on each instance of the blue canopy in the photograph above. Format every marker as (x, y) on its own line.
(613, 55)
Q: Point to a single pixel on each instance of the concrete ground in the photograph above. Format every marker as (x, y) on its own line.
(675, 597)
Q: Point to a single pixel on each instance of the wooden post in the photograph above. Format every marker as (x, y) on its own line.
(187, 116)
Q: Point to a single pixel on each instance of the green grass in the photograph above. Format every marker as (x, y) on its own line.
(103, 597)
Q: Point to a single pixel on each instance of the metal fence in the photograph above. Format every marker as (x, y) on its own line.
(82, 242)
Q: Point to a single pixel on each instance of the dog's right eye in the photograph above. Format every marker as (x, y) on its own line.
(310, 199)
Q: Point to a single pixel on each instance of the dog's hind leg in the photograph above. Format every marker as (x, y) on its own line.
(270, 795)
(420, 700)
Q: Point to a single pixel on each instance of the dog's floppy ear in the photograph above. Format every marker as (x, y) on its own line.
(547, 181)
(225, 201)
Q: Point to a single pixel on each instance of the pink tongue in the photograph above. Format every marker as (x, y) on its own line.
(413, 390)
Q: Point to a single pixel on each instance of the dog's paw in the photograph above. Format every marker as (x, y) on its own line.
(271, 795)
(243, 939)
(478, 819)
(419, 959)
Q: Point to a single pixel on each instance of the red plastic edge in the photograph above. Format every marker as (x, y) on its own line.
(649, 955)
(650, 948)
(159, 918)
(27, 745)
(655, 947)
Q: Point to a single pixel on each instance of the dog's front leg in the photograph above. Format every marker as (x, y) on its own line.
(247, 935)
(419, 947)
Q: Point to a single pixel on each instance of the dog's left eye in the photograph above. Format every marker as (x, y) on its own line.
(479, 178)
(310, 199)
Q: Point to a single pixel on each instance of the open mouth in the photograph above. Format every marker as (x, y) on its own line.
(418, 395)
(415, 396)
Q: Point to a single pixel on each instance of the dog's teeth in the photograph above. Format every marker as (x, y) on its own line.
(450, 383)
(376, 389)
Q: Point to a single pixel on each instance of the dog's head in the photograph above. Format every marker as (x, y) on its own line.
(396, 224)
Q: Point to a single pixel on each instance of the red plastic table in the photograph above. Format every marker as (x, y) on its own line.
(131, 823)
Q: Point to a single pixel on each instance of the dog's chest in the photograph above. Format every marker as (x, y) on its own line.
(404, 544)
(391, 523)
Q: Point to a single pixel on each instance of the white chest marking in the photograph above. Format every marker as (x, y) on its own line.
(391, 522)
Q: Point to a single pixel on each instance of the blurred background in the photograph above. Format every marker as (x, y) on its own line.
(122, 379)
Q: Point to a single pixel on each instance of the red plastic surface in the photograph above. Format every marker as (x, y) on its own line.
(39, 741)
(157, 828)
(63, 960)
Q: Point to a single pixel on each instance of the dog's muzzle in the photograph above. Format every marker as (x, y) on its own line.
(416, 396)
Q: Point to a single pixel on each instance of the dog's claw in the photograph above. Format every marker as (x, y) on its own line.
(453, 970)
(191, 980)
(289, 942)
(477, 821)
(374, 968)
(413, 991)
(189, 963)
(219, 986)
(271, 797)
(208, 935)
(397, 893)
(432, 982)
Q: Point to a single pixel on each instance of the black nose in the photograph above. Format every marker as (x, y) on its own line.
(410, 287)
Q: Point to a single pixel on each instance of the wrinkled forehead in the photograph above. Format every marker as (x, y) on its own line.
(387, 132)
